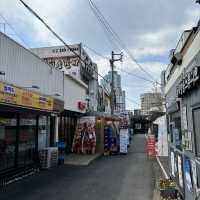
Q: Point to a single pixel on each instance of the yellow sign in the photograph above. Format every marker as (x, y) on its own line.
(13, 95)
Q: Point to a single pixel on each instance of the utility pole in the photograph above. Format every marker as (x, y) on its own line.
(112, 61)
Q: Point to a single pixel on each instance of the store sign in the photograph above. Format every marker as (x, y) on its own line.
(81, 105)
(188, 81)
(21, 97)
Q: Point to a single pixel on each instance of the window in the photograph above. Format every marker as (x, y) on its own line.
(7, 142)
(196, 117)
(27, 136)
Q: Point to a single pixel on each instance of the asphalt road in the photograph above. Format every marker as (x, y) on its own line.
(123, 177)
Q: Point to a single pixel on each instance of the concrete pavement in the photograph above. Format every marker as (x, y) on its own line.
(122, 177)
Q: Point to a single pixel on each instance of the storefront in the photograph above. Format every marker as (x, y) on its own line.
(75, 106)
(27, 125)
(182, 92)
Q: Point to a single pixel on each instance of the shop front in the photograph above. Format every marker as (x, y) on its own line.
(27, 125)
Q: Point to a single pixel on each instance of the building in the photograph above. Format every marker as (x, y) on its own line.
(182, 91)
(31, 99)
(151, 102)
(104, 101)
(65, 60)
(120, 95)
(75, 106)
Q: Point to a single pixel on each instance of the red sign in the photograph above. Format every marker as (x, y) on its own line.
(81, 105)
(150, 147)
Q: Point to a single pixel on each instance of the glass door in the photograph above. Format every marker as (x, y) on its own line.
(27, 138)
(7, 141)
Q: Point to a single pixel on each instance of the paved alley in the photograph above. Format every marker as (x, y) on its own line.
(122, 177)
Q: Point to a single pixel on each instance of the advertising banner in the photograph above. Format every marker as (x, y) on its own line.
(85, 137)
(180, 173)
(17, 96)
(124, 137)
(187, 172)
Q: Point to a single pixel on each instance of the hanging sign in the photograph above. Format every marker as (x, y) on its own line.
(187, 81)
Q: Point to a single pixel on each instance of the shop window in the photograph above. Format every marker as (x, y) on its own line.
(43, 132)
(175, 130)
(138, 126)
(196, 117)
(7, 142)
(27, 136)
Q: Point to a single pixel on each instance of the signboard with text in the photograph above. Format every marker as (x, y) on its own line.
(17, 96)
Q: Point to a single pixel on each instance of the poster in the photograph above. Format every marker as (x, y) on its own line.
(180, 173)
(172, 164)
(85, 137)
(123, 140)
(187, 172)
(194, 174)
(184, 118)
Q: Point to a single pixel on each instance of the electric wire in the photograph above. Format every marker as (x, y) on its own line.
(58, 37)
(117, 38)
(105, 27)
(61, 40)
(120, 69)
(13, 29)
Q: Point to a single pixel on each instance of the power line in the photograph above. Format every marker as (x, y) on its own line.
(58, 37)
(103, 25)
(108, 27)
(13, 29)
(122, 70)
(97, 53)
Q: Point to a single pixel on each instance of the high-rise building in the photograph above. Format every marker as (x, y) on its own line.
(120, 95)
(151, 102)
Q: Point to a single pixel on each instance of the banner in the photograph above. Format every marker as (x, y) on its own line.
(17, 96)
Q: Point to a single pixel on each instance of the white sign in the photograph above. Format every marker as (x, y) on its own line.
(172, 163)
(194, 174)
(184, 118)
(180, 172)
(124, 140)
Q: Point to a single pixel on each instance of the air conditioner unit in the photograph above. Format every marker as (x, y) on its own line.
(48, 157)
(176, 59)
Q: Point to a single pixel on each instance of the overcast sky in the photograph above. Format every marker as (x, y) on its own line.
(148, 28)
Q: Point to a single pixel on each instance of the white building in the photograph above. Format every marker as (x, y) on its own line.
(67, 61)
(31, 98)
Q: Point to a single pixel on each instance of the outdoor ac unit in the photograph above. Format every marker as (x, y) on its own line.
(48, 157)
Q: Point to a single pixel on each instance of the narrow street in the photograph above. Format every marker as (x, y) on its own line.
(124, 177)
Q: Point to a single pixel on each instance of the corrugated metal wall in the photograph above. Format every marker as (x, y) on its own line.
(24, 69)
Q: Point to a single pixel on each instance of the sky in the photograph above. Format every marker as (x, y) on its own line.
(149, 29)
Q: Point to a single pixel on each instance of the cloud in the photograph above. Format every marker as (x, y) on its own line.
(148, 28)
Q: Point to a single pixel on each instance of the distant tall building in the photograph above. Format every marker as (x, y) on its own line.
(120, 95)
(151, 102)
